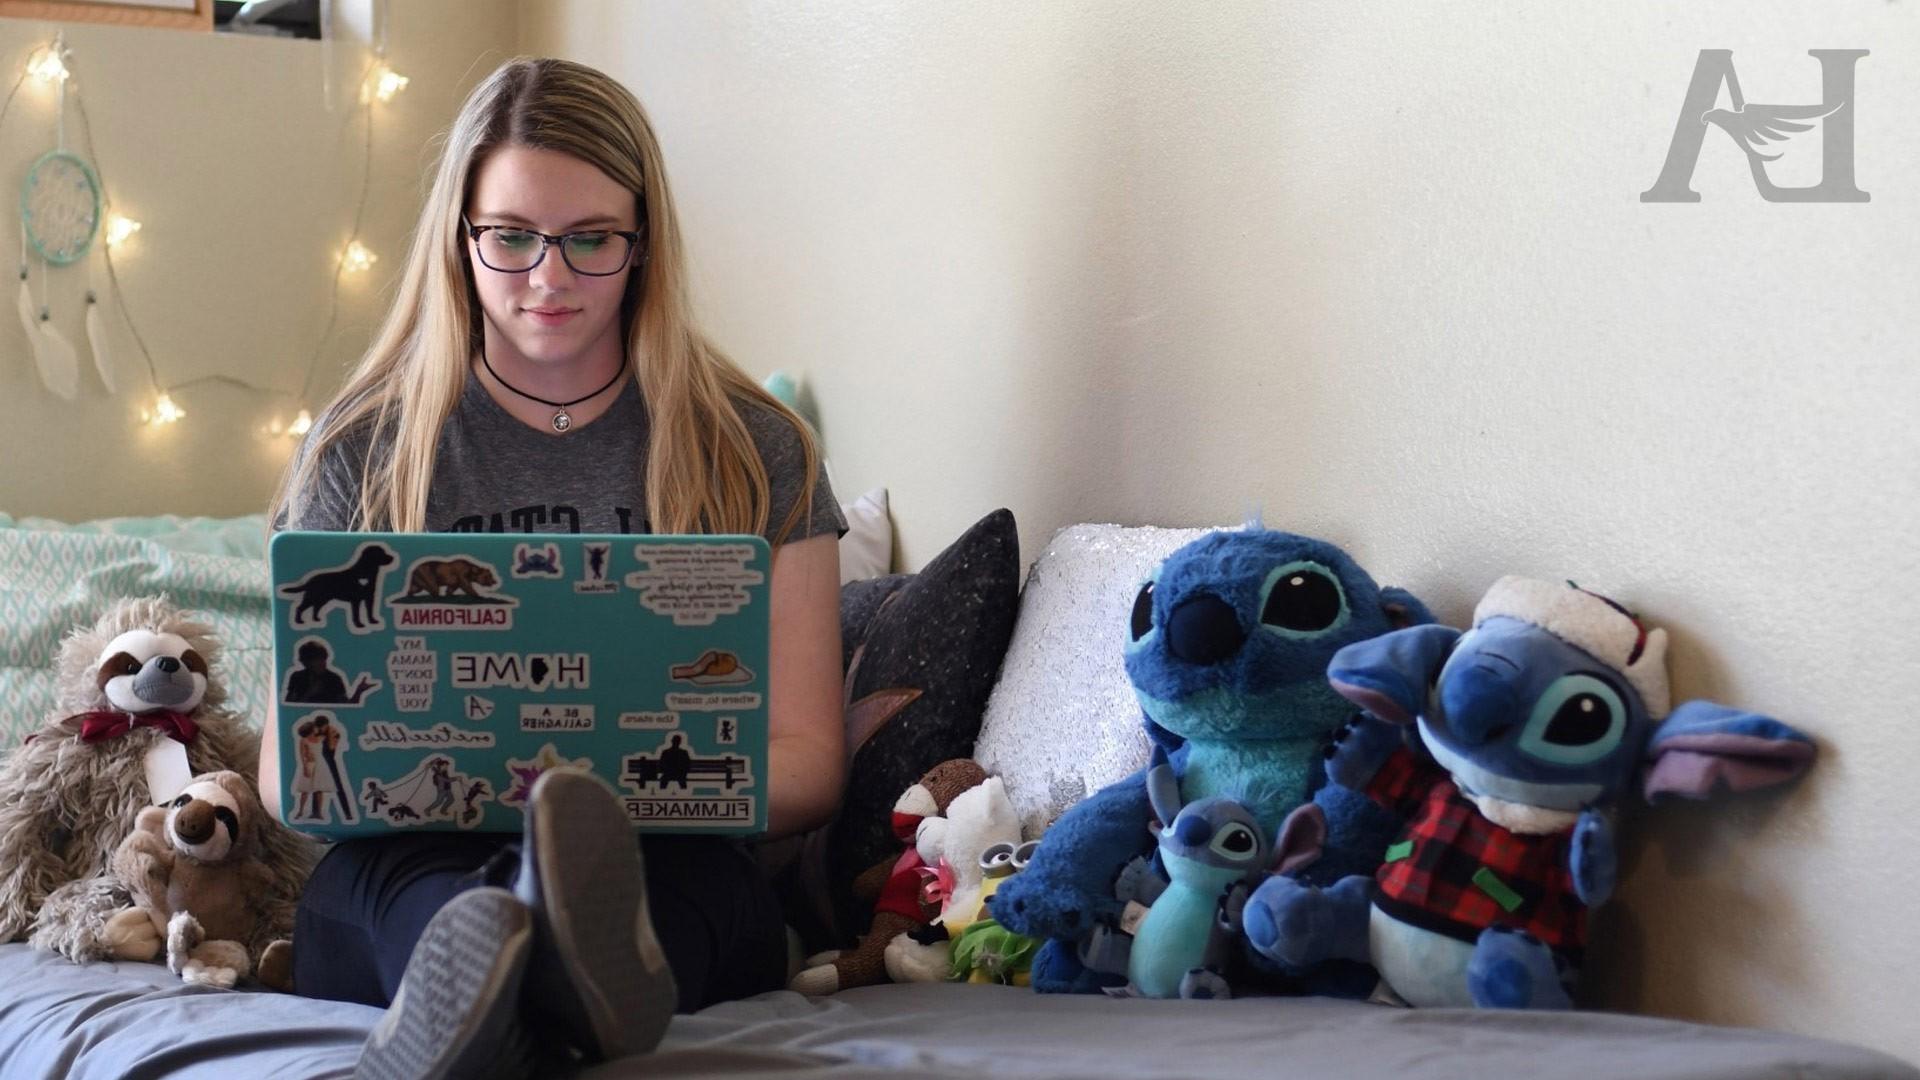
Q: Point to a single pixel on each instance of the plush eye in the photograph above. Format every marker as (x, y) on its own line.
(181, 801)
(1580, 719)
(1023, 854)
(997, 856)
(193, 662)
(1143, 611)
(1303, 598)
(1235, 841)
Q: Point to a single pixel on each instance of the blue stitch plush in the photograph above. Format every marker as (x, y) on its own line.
(1228, 655)
(1538, 721)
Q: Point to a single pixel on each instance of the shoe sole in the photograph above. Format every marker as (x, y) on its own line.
(593, 913)
(458, 999)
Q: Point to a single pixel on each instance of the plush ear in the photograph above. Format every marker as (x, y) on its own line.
(1388, 676)
(1302, 837)
(1163, 788)
(1404, 609)
(1704, 748)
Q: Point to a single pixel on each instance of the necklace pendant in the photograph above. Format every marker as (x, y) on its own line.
(562, 420)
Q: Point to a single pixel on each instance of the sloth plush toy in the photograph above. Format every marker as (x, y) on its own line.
(137, 690)
(199, 888)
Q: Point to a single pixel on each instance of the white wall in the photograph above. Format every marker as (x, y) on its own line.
(1382, 270)
(245, 182)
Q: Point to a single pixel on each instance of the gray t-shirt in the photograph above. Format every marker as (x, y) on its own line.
(493, 473)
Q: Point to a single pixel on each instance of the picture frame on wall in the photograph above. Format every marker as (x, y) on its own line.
(170, 14)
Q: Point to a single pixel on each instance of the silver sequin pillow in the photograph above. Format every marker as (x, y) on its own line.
(1062, 722)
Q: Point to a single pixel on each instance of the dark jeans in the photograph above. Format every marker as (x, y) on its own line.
(369, 900)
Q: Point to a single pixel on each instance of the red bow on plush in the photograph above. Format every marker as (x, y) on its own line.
(112, 723)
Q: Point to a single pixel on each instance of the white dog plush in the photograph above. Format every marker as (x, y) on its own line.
(143, 676)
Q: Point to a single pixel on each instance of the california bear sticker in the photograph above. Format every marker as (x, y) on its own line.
(453, 593)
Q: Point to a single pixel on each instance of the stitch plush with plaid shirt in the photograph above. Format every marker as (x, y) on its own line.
(1539, 720)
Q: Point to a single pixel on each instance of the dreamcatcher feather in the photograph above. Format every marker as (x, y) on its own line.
(59, 216)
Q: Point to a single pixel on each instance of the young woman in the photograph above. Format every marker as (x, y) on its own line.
(539, 372)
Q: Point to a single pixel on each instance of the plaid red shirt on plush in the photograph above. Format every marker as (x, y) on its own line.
(1454, 872)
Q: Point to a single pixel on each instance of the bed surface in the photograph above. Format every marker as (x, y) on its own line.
(138, 1021)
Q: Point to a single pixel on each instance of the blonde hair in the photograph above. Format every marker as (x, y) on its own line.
(703, 471)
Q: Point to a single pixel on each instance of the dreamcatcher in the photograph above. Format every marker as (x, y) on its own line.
(60, 213)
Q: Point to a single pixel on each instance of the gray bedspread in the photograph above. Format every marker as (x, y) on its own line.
(137, 1021)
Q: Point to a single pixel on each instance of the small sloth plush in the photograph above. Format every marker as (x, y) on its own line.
(198, 885)
(143, 674)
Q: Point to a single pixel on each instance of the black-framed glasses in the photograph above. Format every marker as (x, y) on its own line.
(510, 249)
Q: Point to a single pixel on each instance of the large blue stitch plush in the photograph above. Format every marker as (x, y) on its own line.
(1538, 720)
(1228, 656)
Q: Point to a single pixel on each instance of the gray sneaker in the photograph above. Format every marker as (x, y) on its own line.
(598, 978)
(456, 1013)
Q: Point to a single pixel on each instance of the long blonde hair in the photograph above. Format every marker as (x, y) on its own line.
(703, 471)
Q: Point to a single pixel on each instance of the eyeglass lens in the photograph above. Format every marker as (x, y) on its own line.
(514, 250)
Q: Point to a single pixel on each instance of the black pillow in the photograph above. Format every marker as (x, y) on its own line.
(923, 652)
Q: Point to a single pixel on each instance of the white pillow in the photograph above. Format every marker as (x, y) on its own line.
(867, 549)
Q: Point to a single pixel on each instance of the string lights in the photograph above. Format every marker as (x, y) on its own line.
(380, 85)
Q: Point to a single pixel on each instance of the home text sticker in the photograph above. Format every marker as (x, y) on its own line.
(663, 696)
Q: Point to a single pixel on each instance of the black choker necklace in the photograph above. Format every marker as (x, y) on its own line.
(562, 420)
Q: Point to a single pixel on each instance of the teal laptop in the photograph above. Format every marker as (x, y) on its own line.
(425, 680)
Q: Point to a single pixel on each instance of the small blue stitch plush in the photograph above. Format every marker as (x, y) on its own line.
(1214, 854)
(1538, 720)
(1229, 648)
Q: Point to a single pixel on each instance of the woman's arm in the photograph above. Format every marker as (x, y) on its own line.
(806, 736)
(269, 778)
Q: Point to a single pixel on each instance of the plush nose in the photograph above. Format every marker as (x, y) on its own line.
(1190, 831)
(168, 664)
(1480, 701)
(194, 823)
(1203, 629)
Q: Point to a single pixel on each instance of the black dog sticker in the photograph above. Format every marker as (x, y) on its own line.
(355, 586)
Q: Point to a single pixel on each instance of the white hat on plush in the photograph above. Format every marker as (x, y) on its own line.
(1588, 621)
